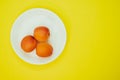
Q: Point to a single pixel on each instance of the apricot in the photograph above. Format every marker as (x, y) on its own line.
(28, 43)
(41, 33)
(44, 49)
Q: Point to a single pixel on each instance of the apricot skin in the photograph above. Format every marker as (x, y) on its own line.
(44, 50)
(41, 33)
(28, 43)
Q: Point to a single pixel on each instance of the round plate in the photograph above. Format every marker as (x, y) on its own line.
(25, 25)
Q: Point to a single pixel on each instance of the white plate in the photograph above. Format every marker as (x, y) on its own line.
(25, 25)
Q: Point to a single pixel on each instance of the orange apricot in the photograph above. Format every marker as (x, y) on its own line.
(44, 49)
(28, 43)
(41, 33)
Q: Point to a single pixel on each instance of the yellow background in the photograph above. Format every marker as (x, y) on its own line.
(92, 51)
